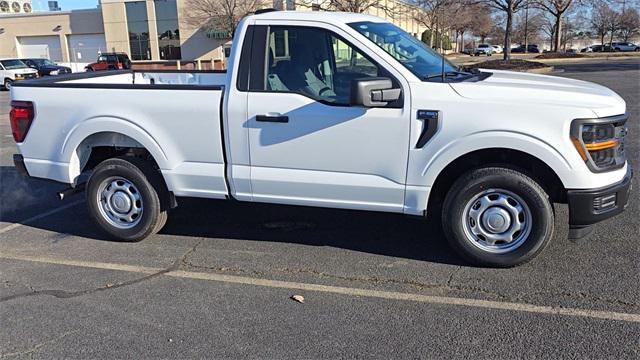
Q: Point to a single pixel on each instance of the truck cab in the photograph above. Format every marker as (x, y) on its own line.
(343, 111)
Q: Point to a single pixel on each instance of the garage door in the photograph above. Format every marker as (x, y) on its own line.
(85, 48)
(40, 47)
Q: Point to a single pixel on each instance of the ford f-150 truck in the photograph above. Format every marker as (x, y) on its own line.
(334, 110)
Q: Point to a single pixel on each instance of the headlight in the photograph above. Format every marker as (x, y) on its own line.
(19, 76)
(54, 72)
(600, 142)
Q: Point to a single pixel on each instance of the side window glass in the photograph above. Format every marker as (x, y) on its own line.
(314, 62)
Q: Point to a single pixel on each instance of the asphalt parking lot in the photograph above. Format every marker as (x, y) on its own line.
(217, 281)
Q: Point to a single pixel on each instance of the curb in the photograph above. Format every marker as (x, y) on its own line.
(544, 70)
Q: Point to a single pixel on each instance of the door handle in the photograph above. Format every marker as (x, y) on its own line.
(272, 118)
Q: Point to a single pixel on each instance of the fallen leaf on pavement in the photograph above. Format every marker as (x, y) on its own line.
(298, 298)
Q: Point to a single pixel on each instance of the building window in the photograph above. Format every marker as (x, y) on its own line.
(168, 32)
(138, 24)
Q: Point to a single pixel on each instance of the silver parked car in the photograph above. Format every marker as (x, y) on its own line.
(625, 46)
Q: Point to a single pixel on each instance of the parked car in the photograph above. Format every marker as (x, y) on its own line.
(483, 49)
(531, 48)
(380, 123)
(110, 61)
(46, 67)
(12, 70)
(598, 48)
(625, 46)
(497, 49)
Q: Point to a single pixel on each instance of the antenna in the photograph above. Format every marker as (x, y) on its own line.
(442, 55)
(442, 47)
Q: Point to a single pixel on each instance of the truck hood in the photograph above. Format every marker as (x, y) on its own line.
(516, 87)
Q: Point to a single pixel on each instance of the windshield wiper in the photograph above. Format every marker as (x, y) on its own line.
(447, 74)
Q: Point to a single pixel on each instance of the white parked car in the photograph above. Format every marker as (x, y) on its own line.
(12, 70)
(497, 49)
(298, 119)
(483, 49)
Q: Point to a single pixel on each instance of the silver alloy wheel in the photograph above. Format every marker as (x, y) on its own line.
(7, 84)
(497, 221)
(120, 202)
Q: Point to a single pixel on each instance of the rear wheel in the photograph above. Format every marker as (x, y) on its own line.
(125, 197)
(497, 217)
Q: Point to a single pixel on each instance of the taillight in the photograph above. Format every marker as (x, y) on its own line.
(21, 116)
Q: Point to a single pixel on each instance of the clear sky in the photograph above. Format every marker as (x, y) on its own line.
(65, 4)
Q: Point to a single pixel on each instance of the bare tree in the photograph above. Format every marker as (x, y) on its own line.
(509, 7)
(354, 6)
(613, 25)
(482, 23)
(436, 15)
(462, 23)
(557, 9)
(629, 23)
(526, 29)
(601, 18)
(222, 15)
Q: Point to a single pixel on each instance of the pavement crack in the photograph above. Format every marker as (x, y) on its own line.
(37, 346)
(63, 294)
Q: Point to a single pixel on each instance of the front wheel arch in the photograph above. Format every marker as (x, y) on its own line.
(508, 158)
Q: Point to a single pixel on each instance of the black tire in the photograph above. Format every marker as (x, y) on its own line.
(147, 183)
(459, 226)
(7, 84)
(89, 69)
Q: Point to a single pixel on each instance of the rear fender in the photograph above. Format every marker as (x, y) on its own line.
(75, 149)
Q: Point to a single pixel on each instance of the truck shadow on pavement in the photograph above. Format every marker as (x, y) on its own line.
(386, 234)
(393, 235)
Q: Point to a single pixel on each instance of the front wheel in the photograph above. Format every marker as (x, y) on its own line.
(7, 84)
(497, 217)
(125, 198)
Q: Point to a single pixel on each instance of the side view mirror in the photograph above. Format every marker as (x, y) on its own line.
(373, 92)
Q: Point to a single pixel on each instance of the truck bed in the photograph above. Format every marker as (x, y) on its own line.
(133, 78)
(175, 115)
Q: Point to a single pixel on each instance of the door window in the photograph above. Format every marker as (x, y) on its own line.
(316, 63)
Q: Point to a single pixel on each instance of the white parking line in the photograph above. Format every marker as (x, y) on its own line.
(38, 217)
(391, 295)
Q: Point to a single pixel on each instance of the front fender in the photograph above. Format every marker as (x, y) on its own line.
(559, 161)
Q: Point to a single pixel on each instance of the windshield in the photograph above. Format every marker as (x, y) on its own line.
(13, 64)
(43, 62)
(409, 51)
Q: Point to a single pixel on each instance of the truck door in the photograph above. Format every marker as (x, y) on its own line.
(307, 144)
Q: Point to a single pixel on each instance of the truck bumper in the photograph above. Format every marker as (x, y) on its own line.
(587, 207)
(18, 162)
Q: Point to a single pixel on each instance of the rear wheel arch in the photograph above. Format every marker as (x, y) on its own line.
(99, 146)
(102, 146)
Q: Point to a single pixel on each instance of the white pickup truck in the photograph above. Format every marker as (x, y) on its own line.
(334, 110)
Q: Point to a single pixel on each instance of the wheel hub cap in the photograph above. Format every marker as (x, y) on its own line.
(497, 221)
(120, 202)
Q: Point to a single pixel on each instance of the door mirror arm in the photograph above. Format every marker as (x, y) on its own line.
(373, 92)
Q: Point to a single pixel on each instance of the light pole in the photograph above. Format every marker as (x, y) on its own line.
(526, 28)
